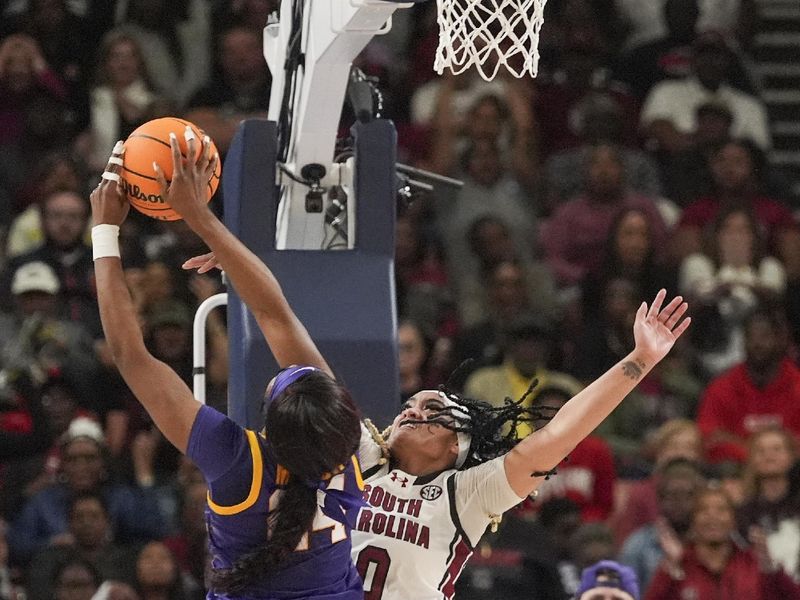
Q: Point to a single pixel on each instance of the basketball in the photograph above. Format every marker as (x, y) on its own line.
(149, 143)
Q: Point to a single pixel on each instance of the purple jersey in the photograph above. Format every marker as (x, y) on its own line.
(244, 485)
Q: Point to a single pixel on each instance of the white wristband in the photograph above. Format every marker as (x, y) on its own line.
(105, 241)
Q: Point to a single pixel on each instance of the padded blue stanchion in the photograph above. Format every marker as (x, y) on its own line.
(345, 298)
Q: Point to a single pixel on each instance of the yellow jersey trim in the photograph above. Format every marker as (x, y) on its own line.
(255, 485)
(359, 479)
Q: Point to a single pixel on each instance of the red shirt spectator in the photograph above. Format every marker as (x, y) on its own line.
(712, 566)
(735, 404)
(587, 478)
(741, 578)
(759, 392)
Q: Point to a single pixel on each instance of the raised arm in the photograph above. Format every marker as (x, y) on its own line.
(254, 282)
(163, 394)
(655, 331)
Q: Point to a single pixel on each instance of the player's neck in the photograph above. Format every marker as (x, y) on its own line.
(420, 465)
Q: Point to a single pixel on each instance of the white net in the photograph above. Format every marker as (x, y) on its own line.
(489, 34)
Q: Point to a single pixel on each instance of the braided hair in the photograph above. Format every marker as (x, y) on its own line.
(493, 429)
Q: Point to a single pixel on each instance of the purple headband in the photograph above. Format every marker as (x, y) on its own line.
(288, 376)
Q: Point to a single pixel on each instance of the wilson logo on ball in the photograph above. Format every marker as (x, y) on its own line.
(133, 191)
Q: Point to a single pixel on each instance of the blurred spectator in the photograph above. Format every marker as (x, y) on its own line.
(491, 243)
(420, 277)
(670, 57)
(67, 40)
(36, 339)
(761, 391)
(508, 292)
(687, 174)
(574, 237)
(27, 84)
(587, 476)
(646, 20)
(735, 169)
(133, 510)
(250, 13)
(61, 402)
(157, 574)
(724, 286)
(57, 172)
(505, 122)
(560, 105)
(607, 338)
(168, 336)
(174, 39)
(529, 343)
(678, 483)
(589, 544)
(669, 112)
(711, 565)
(190, 544)
(608, 580)
(772, 452)
(783, 540)
(25, 433)
(76, 579)
(65, 216)
(123, 98)
(414, 350)
(630, 252)
(91, 538)
(457, 94)
(9, 590)
(675, 440)
(238, 92)
(602, 122)
(549, 572)
(489, 190)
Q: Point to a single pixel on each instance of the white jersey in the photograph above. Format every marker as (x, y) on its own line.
(418, 532)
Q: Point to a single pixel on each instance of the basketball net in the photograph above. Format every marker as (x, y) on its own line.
(489, 34)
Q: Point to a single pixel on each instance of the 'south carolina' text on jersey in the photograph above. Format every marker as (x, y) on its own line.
(393, 526)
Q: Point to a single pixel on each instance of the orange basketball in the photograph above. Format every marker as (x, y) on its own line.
(149, 143)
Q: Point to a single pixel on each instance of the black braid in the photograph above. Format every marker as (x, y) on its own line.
(493, 428)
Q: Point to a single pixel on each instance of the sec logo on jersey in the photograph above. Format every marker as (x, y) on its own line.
(430, 492)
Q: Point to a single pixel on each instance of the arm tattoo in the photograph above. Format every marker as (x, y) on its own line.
(633, 368)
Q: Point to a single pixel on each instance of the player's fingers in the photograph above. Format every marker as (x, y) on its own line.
(161, 179)
(114, 165)
(684, 325)
(670, 308)
(208, 266)
(655, 307)
(198, 261)
(177, 159)
(675, 317)
(191, 147)
(212, 166)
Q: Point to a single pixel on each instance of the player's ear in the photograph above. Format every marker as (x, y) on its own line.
(454, 446)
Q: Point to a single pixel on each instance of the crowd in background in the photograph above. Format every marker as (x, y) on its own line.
(636, 160)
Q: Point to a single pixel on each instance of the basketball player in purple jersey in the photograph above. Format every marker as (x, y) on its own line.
(281, 502)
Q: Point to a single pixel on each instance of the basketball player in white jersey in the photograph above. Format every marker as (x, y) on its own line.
(450, 465)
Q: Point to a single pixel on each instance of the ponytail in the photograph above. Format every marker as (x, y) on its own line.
(293, 517)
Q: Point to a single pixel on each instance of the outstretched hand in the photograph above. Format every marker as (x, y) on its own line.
(187, 193)
(656, 329)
